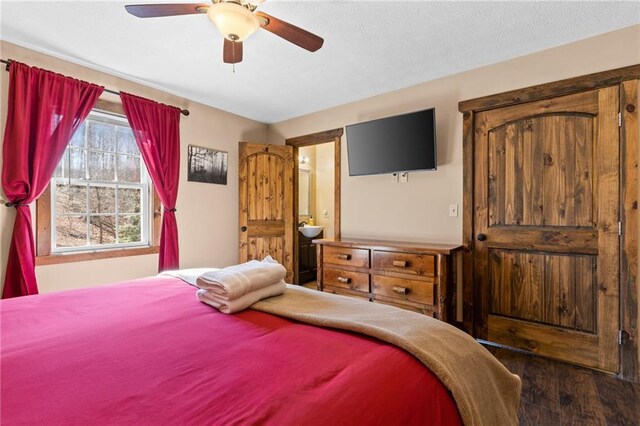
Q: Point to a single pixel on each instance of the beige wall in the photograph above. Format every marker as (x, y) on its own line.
(325, 173)
(310, 153)
(375, 207)
(207, 214)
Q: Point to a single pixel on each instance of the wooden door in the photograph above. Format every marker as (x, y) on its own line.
(546, 256)
(266, 203)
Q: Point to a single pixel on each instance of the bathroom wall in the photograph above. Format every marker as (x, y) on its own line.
(321, 163)
(325, 173)
(310, 153)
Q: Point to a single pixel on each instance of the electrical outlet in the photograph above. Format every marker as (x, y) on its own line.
(395, 177)
(325, 213)
(453, 210)
(404, 177)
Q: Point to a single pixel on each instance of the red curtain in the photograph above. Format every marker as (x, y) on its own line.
(44, 110)
(156, 128)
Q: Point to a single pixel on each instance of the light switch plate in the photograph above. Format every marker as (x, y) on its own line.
(404, 177)
(395, 177)
(453, 210)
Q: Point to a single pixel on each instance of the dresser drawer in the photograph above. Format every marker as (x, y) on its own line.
(421, 309)
(406, 263)
(349, 293)
(403, 289)
(357, 281)
(358, 258)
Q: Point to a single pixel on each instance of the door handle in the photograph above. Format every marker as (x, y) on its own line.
(243, 229)
(482, 237)
(344, 280)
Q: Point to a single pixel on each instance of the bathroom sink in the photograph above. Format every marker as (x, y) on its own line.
(311, 231)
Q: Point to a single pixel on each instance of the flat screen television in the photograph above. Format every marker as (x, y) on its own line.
(401, 143)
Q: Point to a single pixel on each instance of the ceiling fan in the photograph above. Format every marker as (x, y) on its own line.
(236, 20)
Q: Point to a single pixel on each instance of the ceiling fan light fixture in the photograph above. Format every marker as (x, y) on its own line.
(234, 22)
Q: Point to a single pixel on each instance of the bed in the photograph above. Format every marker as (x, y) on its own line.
(147, 352)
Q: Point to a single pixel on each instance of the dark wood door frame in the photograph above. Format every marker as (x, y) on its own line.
(627, 79)
(334, 135)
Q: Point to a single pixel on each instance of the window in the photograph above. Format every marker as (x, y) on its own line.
(100, 197)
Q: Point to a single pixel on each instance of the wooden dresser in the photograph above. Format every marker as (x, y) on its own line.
(414, 276)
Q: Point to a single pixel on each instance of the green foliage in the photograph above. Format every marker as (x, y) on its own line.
(130, 231)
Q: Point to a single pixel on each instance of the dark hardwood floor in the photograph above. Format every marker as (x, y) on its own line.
(555, 393)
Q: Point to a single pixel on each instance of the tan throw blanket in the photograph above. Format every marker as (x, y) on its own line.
(485, 392)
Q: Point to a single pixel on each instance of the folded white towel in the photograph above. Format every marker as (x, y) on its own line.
(230, 306)
(187, 275)
(269, 259)
(235, 281)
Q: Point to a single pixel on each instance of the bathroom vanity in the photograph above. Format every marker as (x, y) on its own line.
(307, 258)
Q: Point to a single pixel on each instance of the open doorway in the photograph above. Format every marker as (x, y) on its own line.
(316, 198)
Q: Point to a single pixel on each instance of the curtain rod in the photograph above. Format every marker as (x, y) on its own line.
(115, 92)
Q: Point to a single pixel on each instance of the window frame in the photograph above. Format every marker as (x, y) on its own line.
(44, 225)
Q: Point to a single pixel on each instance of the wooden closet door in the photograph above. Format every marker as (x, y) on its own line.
(546, 256)
(265, 213)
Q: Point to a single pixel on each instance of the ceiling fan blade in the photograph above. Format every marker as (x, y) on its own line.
(232, 52)
(167, 9)
(290, 32)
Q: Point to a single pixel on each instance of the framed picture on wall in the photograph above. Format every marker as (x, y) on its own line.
(207, 165)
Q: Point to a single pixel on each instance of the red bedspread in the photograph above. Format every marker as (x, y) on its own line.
(147, 352)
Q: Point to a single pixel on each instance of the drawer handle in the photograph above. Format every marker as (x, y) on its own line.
(344, 280)
(400, 263)
(400, 290)
(344, 256)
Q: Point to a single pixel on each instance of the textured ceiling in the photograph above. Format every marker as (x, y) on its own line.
(370, 47)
